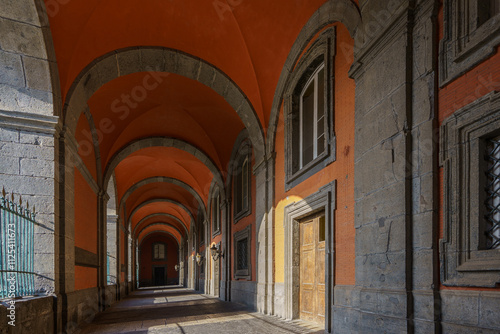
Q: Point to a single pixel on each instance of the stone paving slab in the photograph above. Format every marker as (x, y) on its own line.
(179, 310)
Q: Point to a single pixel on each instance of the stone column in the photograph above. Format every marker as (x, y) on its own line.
(225, 278)
(102, 217)
(66, 157)
(264, 236)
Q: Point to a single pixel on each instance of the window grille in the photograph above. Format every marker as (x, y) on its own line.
(242, 262)
(16, 248)
(492, 202)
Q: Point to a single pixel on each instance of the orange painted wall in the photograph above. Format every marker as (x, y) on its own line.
(85, 229)
(474, 84)
(341, 170)
(146, 258)
(242, 224)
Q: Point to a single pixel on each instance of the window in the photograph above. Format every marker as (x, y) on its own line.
(308, 111)
(312, 118)
(469, 154)
(470, 36)
(242, 266)
(159, 251)
(216, 213)
(242, 183)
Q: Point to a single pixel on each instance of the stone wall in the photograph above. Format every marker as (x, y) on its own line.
(33, 315)
(244, 292)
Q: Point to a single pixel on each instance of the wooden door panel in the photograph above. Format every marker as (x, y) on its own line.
(312, 270)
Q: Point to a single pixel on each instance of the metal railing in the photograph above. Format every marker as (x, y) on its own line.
(16, 248)
(111, 279)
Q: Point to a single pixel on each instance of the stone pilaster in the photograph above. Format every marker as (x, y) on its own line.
(264, 173)
(394, 171)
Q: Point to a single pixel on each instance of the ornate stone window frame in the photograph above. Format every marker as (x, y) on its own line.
(244, 153)
(323, 200)
(215, 196)
(246, 233)
(463, 262)
(322, 51)
(465, 43)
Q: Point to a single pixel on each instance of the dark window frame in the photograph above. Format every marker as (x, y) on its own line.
(321, 52)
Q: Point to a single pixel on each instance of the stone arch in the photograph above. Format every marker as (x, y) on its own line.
(159, 232)
(343, 11)
(160, 223)
(162, 142)
(160, 59)
(159, 215)
(159, 179)
(166, 200)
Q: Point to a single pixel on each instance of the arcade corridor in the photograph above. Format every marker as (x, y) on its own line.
(175, 310)
(269, 161)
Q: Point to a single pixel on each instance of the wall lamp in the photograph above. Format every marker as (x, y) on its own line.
(199, 259)
(176, 267)
(216, 253)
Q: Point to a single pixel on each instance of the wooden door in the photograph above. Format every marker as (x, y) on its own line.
(312, 270)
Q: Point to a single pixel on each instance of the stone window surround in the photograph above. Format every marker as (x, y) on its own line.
(237, 236)
(464, 46)
(463, 263)
(322, 50)
(244, 152)
(322, 200)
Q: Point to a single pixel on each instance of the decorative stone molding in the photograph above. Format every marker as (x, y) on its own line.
(467, 41)
(323, 200)
(463, 261)
(28, 122)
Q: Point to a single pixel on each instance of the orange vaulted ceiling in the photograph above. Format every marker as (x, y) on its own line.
(156, 228)
(161, 191)
(248, 40)
(155, 208)
(161, 207)
(162, 161)
(177, 107)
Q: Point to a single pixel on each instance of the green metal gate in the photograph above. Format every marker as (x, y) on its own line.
(16, 248)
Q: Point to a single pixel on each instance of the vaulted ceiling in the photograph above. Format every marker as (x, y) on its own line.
(248, 41)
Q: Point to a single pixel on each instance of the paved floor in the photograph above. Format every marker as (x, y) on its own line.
(178, 310)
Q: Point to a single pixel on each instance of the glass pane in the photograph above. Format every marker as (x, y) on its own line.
(161, 252)
(308, 124)
(322, 228)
